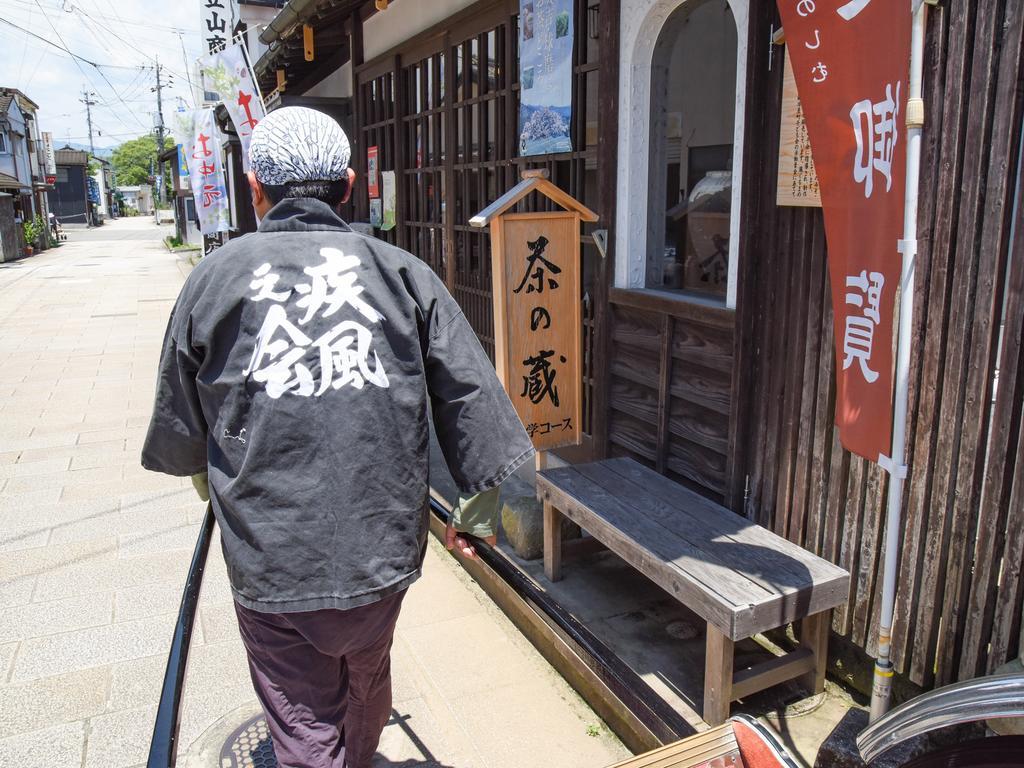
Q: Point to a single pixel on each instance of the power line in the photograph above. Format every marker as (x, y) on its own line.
(102, 73)
(72, 54)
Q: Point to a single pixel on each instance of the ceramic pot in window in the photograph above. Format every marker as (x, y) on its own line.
(707, 263)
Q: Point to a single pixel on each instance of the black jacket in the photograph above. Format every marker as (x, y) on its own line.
(298, 367)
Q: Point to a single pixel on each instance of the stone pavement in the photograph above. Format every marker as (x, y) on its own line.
(94, 551)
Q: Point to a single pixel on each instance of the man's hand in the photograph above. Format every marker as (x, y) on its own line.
(456, 540)
(202, 486)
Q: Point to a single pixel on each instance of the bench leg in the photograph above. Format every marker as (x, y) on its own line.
(717, 677)
(552, 542)
(814, 636)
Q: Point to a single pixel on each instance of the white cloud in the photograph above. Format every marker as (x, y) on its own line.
(121, 33)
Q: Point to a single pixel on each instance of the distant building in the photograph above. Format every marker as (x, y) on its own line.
(23, 166)
(69, 199)
(15, 156)
(139, 197)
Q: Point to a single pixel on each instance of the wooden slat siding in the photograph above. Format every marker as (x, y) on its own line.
(1006, 537)
(798, 517)
(703, 345)
(992, 487)
(849, 553)
(691, 440)
(705, 428)
(950, 524)
(1006, 614)
(664, 412)
(823, 403)
(946, 67)
(796, 334)
(607, 186)
(870, 540)
(700, 386)
(755, 226)
(777, 369)
(991, 236)
(697, 466)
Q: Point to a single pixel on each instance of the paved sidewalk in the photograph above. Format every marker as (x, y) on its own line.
(94, 550)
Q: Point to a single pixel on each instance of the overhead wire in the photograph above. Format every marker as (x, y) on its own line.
(101, 72)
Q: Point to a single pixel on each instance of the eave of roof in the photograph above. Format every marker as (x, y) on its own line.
(283, 35)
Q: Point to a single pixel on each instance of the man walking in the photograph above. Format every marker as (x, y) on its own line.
(298, 368)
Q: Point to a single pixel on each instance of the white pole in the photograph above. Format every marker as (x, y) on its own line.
(882, 687)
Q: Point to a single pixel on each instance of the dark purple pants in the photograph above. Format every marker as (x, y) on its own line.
(324, 680)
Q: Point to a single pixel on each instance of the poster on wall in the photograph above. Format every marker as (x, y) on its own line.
(376, 213)
(372, 182)
(797, 182)
(545, 76)
(389, 196)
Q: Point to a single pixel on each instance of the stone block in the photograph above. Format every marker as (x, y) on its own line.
(522, 519)
(61, 745)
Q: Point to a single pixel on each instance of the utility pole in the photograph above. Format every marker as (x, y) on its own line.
(159, 129)
(89, 103)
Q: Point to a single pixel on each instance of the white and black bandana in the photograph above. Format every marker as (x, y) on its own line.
(298, 144)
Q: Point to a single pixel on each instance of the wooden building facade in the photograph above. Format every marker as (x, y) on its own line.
(726, 386)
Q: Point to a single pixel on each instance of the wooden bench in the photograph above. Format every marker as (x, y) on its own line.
(739, 577)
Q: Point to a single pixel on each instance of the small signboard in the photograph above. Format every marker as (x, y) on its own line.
(538, 327)
(798, 181)
(50, 164)
(372, 171)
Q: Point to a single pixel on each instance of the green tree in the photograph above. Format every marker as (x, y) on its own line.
(133, 160)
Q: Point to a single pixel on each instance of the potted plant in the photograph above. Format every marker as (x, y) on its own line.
(31, 231)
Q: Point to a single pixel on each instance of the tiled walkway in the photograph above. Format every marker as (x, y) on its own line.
(94, 550)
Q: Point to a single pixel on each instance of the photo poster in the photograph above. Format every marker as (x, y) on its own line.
(389, 199)
(376, 213)
(545, 76)
(372, 175)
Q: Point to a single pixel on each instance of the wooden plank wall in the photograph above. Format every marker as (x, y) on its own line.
(959, 605)
(958, 609)
(670, 373)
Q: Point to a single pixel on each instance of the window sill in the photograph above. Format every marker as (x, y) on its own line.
(688, 306)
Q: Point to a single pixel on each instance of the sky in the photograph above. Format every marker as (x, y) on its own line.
(124, 37)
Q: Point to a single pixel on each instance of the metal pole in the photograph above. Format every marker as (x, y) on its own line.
(88, 117)
(159, 132)
(881, 689)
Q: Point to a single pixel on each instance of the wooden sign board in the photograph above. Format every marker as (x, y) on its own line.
(797, 181)
(538, 324)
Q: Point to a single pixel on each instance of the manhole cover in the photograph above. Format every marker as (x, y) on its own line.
(249, 746)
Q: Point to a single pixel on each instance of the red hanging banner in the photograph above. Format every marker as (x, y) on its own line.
(851, 61)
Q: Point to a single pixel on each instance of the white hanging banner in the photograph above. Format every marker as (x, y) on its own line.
(183, 125)
(207, 174)
(228, 72)
(216, 29)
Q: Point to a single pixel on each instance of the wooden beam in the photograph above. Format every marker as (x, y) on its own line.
(552, 542)
(814, 640)
(718, 679)
(777, 670)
